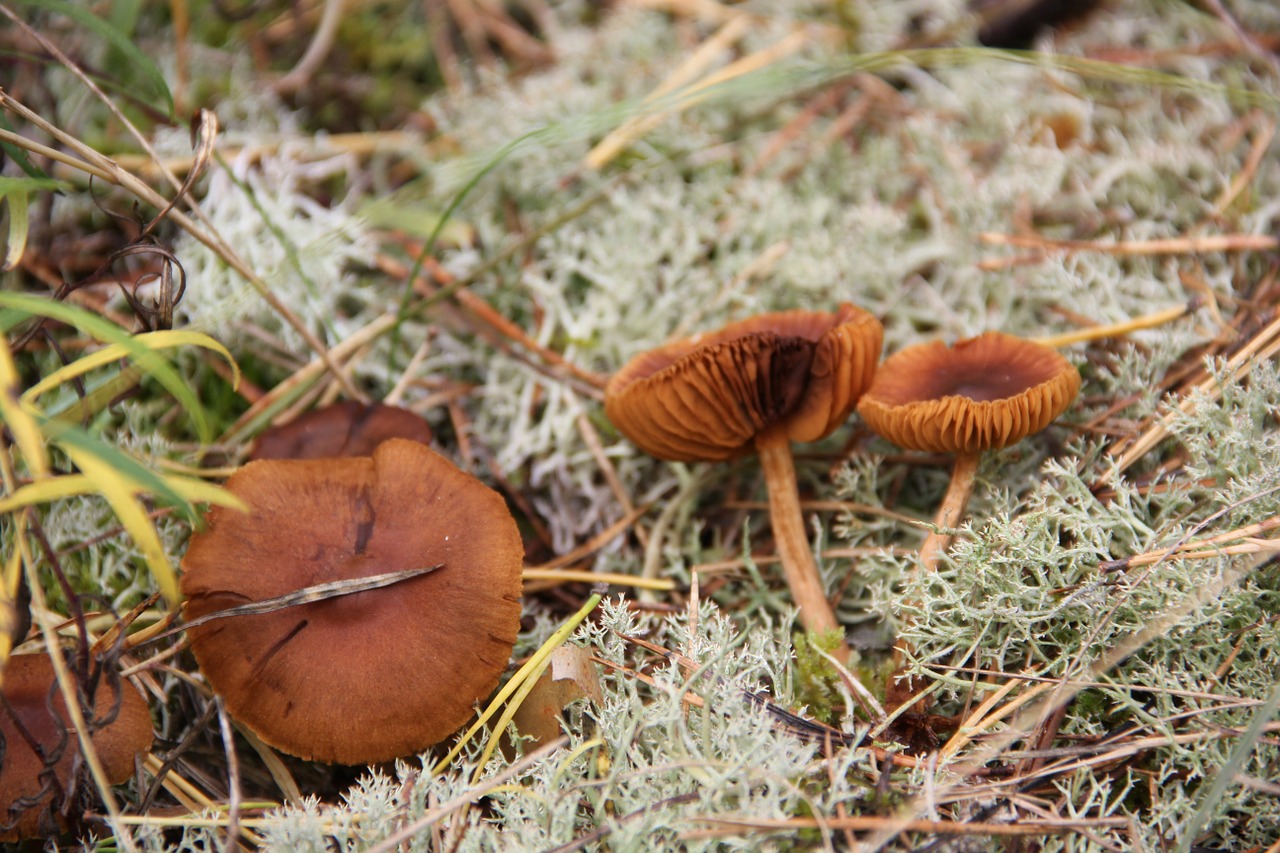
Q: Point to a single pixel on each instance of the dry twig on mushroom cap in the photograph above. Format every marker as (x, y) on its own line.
(758, 384)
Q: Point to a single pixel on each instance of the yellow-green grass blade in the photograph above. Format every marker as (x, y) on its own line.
(99, 394)
(154, 341)
(8, 605)
(16, 194)
(22, 423)
(135, 476)
(528, 673)
(73, 485)
(19, 224)
(21, 306)
(119, 493)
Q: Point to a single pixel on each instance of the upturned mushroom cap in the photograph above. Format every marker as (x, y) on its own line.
(348, 428)
(709, 396)
(28, 685)
(378, 674)
(984, 393)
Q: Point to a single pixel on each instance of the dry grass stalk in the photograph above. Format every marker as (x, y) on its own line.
(1173, 246)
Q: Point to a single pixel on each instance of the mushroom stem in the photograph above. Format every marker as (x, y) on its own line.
(798, 565)
(963, 474)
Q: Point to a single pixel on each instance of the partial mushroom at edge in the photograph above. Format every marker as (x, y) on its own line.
(31, 691)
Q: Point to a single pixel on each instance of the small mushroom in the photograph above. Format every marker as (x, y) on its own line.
(374, 675)
(756, 385)
(982, 394)
(348, 428)
(34, 716)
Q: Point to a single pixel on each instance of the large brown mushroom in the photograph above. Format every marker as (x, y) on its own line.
(348, 428)
(377, 674)
(756, 385)
(40, 746)
(982, 394)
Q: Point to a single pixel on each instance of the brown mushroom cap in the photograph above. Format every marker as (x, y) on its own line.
(348, 428)
(375, 675)
(28, 684)
(708, 397)
(984, 393)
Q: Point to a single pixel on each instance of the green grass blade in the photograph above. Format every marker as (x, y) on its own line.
(118, 491)
(1249, 740)
(21, 306)
(128, 471)
(16, 192)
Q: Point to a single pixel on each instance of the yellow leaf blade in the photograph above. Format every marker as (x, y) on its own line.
(71, 485)
(45, 491)
(154, 341)
(22, 425)
(118, 491)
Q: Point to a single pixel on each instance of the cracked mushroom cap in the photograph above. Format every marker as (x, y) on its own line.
(982, 394)
(348, 428)
(29, 681)
(378, 674)
(707, 397)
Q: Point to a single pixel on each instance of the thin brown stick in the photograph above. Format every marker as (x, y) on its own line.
(1261, 144)
(316, 52)
(694, 65)
(1261, 347)
(595, 543)
(939, 827)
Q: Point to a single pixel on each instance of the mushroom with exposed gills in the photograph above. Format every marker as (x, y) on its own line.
(982, 394)
(34, 717)
(368, 676)
(755, 385)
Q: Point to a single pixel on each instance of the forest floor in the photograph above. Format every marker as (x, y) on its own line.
(220, 217)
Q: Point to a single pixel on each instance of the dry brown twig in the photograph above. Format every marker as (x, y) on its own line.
(1173, 246)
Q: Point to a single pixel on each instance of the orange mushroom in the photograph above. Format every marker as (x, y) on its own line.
(40, 747)
(756, 385)
(348, 428)
(982, 394)
(374, 675)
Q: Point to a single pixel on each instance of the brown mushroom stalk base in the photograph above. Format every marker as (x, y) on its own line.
(798, 564)
(963, 474)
